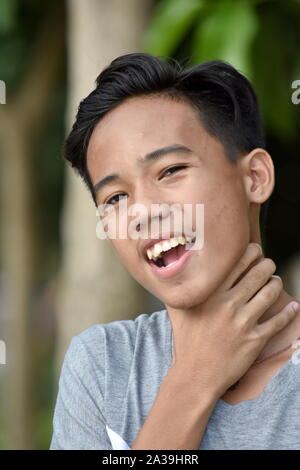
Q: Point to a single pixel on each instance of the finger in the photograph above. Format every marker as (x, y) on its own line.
(263, 299)
(251, 255)
(270, 327)
(253, 281)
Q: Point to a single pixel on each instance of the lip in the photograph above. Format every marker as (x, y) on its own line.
(173, 269)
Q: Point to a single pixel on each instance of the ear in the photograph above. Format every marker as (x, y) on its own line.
(258, 175)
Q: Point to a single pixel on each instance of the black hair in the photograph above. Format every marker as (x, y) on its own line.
(224, 99)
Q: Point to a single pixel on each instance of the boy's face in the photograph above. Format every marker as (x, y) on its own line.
(143, 124)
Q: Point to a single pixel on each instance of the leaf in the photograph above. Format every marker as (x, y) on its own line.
(227, 33)
(171, 20)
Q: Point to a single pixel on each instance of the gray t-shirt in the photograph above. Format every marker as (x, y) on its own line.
(111, 375)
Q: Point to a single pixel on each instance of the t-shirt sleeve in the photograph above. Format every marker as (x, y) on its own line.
(78, 421)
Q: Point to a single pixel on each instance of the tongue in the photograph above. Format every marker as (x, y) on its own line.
(173, 255)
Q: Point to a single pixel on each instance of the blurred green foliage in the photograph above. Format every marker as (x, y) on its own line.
(8, 15)
(260, 38)
(21, 24)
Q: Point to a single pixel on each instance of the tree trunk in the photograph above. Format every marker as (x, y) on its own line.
(93, 286)
(21, 122)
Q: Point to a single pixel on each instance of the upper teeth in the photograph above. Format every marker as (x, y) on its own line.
(165, 245)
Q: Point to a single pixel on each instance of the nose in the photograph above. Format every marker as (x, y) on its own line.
(150, 215)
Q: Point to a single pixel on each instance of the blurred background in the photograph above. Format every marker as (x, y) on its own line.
(56, 277)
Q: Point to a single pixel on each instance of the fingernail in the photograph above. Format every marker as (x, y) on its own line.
(295, 306)
(275, 275)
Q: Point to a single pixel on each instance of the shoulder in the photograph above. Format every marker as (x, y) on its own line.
(116, 340)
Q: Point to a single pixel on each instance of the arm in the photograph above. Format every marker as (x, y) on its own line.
(179, 415)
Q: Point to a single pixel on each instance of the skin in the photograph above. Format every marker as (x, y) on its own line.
(232, 195)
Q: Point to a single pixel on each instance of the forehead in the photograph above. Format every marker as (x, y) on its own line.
(142, 124)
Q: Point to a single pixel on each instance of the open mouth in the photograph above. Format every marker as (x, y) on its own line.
(171, 261)
(169, 257)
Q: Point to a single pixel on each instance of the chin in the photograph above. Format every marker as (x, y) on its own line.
(187, 296)
(183, 300)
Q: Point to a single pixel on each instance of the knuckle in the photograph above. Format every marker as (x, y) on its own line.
(269, 294)
(255, 335)
(259, 273)
(230, 304)
(263, 335)
(248, 289)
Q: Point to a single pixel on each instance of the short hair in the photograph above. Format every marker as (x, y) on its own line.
(223, 98)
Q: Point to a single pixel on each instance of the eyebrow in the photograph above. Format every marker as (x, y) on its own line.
(146, 159)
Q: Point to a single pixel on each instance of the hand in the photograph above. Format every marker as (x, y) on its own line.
(217, 344)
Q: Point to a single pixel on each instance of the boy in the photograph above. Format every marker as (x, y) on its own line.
(217, 368)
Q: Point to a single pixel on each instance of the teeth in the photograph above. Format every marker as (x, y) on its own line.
(149, 254)
(158, 248)
(166, 245)
(173, 242)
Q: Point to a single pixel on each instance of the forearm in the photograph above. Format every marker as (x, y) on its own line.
(179, 415)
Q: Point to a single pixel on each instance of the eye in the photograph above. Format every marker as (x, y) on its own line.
(174, 168)
(109, 201)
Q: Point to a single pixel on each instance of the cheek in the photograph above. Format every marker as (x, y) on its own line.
(225, 221)
(226, 212)
(226, 232)
(128, 256)
(124, 253)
